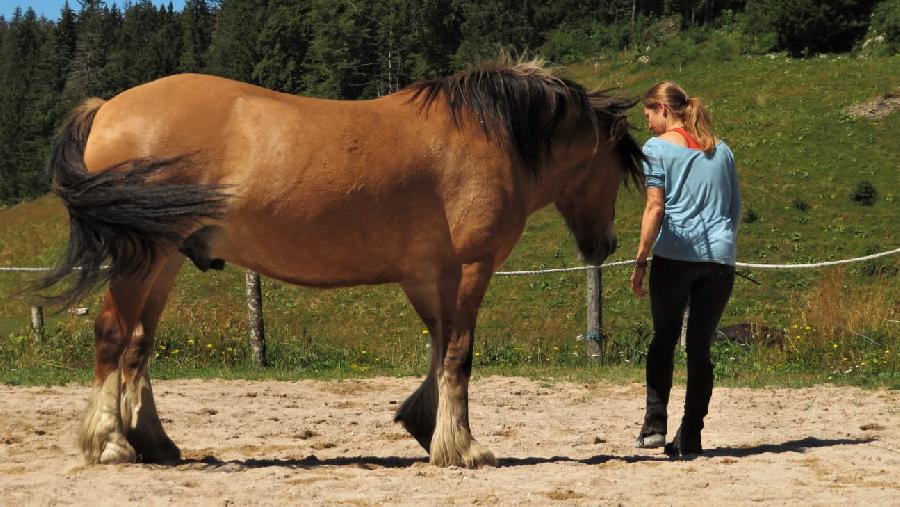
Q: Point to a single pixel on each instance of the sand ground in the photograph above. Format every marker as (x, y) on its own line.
(314, 442)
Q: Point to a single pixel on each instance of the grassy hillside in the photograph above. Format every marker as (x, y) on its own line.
(799, 156)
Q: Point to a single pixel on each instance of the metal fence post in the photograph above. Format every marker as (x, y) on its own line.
(257, 326)
(594, 333)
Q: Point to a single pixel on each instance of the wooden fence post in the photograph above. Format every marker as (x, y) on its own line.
(594, 333)
(37, 322)
(257, 326)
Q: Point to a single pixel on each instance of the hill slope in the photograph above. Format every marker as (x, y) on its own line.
(799, 159)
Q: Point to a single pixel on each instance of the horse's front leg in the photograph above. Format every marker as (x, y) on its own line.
(452, 443)
(437, 413)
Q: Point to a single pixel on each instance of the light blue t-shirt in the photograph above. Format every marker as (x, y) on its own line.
(702, 201)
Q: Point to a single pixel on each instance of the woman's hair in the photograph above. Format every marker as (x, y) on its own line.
(688, 109)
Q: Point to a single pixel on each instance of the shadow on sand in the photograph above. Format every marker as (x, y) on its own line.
(375, 462)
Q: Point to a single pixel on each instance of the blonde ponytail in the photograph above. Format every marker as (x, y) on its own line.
(697, 123)
(689, 110)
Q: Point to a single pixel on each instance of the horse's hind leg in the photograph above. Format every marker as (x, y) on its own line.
(140, 420)
(102, 436)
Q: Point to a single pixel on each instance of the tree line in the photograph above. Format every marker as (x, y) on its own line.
(350, 49)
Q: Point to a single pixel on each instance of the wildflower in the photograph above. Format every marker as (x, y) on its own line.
(808, 328)
(364, 352)
(795, 326)
(477, 354)
(424, 331)
(834, 345)
(556, 349)
(190, 341)
(176, 351)
(209, 345)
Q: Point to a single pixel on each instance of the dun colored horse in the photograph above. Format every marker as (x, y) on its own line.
(429, 188)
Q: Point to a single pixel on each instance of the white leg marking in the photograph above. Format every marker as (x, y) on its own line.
(102, 439)
(452, 443)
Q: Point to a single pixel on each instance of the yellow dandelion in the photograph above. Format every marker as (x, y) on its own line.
(364, 352)
(556, 349)
(175, 351)
(834, 345)
(477, 354)
(209, 345)
(808, 328)
(191, 341)
(424, 331)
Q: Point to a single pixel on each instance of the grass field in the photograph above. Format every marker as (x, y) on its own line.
(800, 157)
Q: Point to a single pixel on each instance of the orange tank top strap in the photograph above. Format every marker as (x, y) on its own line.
(689, 139)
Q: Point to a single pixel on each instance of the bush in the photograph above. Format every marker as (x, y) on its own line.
(799, 204)
(884, 29)
(865, 193)
(567, 44)
(803, 27)
(750, 216)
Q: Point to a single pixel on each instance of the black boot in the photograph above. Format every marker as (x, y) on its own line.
(687, 441)
(696, 405)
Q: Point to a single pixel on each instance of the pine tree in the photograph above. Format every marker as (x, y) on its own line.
(86, 75)
(335, 64)
(20, 129)
(282, 46)
(196, 35)
(233, 52)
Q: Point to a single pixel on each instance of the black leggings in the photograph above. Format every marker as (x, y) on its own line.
(672, 282)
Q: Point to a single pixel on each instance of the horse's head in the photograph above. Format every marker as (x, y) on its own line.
(573, 145)
(598, 157)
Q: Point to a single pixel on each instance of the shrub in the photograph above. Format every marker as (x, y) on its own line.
(750, 216)
(884, 29)
(865, 193)
(799, 204)
(803, 27)
(567, 44)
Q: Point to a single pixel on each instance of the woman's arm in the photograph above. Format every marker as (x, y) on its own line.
(653, 215)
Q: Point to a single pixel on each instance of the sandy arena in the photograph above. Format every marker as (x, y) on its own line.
(314, 442)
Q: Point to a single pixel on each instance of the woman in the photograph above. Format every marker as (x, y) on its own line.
(692, 214)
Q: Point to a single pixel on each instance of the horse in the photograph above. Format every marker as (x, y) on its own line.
(429, 187)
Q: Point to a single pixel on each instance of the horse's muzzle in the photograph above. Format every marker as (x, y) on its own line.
(602, 249)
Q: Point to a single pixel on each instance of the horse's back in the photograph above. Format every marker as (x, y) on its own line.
(326, 192)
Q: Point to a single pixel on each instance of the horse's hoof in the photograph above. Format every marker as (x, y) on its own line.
(474, 456)
(165, 452)
(480, 456)
(115, 453)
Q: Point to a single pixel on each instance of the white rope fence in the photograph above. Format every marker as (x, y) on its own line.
(810, 265)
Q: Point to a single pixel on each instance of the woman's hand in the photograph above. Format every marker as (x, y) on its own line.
(637, 280)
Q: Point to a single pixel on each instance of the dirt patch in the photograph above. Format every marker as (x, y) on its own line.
(878, 108)
(314, 442)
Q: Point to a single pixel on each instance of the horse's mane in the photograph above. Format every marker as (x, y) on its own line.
(524, 102)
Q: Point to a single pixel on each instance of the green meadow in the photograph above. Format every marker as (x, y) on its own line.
(801, 160)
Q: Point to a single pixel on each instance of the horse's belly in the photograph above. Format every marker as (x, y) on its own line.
(326, 254)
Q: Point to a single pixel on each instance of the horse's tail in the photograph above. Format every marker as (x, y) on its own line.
(127, 213)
